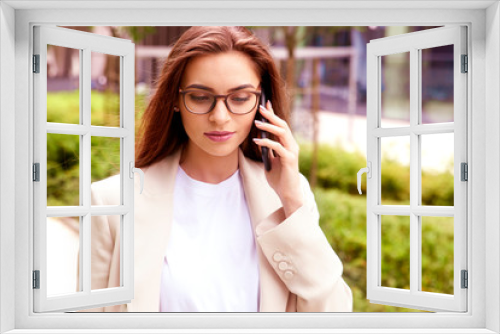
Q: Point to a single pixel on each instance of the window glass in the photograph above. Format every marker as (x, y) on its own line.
(63, 242)
(395, 252)
(395, 90)
(437, 84)
(111, 227)
(395, 170)
(437, 163)
(63, 170)
(105, 92)
(63, 83)
(437, 254)
(106, 163)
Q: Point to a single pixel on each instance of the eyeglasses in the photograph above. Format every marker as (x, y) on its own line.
(202, 102)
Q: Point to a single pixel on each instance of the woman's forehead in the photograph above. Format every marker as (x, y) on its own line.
(221, 71)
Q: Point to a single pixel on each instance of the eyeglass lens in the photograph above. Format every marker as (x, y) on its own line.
(200, 102)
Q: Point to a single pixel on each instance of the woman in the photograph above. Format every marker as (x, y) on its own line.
(214, 231)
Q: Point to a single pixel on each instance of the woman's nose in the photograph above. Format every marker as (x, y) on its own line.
(220, 113)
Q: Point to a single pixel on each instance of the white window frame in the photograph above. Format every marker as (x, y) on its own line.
(483, 21)
(413, 44)
(86, 44)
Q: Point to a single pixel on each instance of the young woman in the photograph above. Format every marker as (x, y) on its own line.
(215, 231)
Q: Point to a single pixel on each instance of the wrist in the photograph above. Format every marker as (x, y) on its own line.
(291, 204)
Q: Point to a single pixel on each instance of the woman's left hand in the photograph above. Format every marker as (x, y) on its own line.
(284, 175)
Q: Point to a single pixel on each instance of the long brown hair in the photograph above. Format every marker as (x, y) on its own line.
(162, 132)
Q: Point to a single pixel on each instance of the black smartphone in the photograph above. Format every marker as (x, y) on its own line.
(263, 134)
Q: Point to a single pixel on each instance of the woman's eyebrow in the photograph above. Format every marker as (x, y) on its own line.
(211, 89)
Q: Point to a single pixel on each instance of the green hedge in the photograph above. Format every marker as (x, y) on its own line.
(63, 150)
(337, 169)
(343, 220)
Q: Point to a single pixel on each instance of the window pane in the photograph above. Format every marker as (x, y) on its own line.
(395, 170)
(437, 254)
(105, 93)
(106, 162)
(437, 169)
(437, 84)
(63, 244)
(395, 90)
(104, 229)
(63, 170)
(395, 252)
(63, 82)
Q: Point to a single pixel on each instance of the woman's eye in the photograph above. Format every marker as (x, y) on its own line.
(241, 97)
(199, 97)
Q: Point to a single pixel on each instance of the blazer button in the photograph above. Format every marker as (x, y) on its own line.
(277, 256)
(283, 265)
(288, 274)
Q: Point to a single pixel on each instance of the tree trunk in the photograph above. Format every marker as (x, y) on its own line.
(314, 110)
(291, 43)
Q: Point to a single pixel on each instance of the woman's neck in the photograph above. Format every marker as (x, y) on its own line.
(204, 167)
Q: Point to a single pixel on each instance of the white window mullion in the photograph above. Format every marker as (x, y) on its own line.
(85, 170)
(373, 271)
(422, 129)
(76, 129)
(414, 173)
(82, 216)
(128, 155)
(125, 173)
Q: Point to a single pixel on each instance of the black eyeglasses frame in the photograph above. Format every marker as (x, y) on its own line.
(216, 97)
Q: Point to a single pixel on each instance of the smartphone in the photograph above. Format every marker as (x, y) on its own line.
(263, 134)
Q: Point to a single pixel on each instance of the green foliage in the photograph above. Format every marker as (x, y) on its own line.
(63, 107)
(63, 170)
(437, 254)
(63, 167)
(343, 220)
(137, 33)
(337, 169)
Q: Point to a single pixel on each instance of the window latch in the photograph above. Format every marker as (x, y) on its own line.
(368, 171)
(133, 170)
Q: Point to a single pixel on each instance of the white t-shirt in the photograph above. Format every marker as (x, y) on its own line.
(210, 262)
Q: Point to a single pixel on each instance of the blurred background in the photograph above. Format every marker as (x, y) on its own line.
(325, 73)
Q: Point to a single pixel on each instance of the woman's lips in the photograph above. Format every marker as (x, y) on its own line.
(219, 136)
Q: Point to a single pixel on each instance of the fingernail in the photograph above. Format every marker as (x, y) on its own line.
(262, 107)
(258, 122)
(270, 104)
(256, 140)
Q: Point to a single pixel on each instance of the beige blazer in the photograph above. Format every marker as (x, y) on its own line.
(311, 278)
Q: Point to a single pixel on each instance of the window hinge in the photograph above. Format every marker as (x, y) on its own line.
(464, 171)
(465, 63)
(36, 172)
(36, 279)
(36, 63)
(465, 279)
